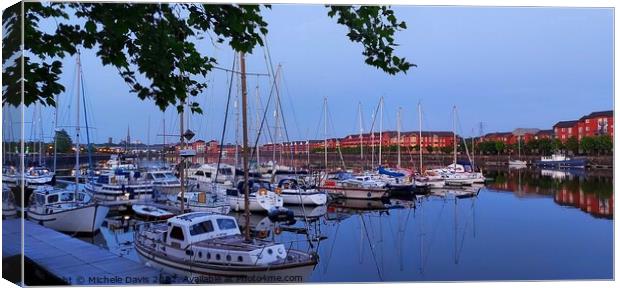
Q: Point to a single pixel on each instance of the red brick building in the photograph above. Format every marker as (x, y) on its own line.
(593, 124)
(504, 137)
(596, 123)
(544, 134)
(565, 129)
(435, 139)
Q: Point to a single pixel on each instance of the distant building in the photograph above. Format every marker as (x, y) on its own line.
(109, 140)
(596, 123)
(564, 130)
(544, 134)
(593, 124)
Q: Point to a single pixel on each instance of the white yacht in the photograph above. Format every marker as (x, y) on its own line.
(8, 203)
(36, 176)
(163, 181)
(262, 198)
(359, 187)
(10, 176)
(66, 210)
(202, 244)
(120, 187)
(205, 174)
(294, 192)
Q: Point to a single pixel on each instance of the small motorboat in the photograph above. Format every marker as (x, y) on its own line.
(151, 212)
(201, 244)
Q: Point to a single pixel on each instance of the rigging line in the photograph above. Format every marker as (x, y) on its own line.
(269, 63)
(219, 157)
(238, 72)
(371, 248)
(331, 123)
(262, 123)
(288, 94)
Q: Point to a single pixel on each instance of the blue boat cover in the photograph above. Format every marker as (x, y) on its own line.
(383, 171)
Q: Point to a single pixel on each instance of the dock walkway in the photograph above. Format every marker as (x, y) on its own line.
(72, 260)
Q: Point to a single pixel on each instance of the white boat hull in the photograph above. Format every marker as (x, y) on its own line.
(258, 203)
(304, 197)
(85, 219)
(198, 274)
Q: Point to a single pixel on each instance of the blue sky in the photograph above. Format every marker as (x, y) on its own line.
(505, 67)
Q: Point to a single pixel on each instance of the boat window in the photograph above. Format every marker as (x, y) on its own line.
(226, 224)
(80, 196)
(40, 199)
(177, 233)
(199, 173)
(201, 228)
(159, 175)
(66, 197)
(52, 199)
(208, 174)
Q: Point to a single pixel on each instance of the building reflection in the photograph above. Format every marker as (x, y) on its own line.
(589, 191)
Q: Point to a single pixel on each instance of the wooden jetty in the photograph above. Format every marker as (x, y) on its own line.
(73, 261)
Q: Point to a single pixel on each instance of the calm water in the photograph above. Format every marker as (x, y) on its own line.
(526, 225)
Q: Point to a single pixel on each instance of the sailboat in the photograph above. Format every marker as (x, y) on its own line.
(201, 244)
(517, 163)
(67, 209)
(429, 178)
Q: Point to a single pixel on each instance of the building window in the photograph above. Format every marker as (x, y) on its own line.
(587, 120)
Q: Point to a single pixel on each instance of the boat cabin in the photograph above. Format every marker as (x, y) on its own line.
(186, 229)
(161, 177)
(288, 183)
(256, 186)
(47, 195)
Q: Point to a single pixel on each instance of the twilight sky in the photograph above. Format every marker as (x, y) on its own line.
(504, 67)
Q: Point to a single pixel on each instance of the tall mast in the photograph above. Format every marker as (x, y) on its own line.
(77, 129)
(244, 104)
(398, 136)
(164, 124)
(278, 132)
(454, 133)
(359, 109)
(325, 130)
(182, 161)
(258, 120)
(473, 151)
(420, 134)
(380, 130)
(237, 126)
(55, 129)
(40, 137)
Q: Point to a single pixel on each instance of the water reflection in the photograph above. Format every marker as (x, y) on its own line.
(516, 228)
(590, 191)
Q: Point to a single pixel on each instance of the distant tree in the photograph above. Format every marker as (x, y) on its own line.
(589, 145)
(63, 142)
(531, 147)
(546, 146)
(558, 145)
(499, 147)
(605, 144)
(429, 149)
(572, 145)
(446, 149)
